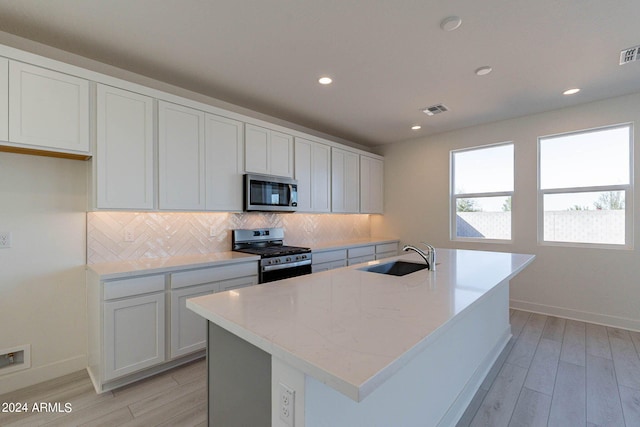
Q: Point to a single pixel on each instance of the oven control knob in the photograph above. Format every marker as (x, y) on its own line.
(288, 259)
(303, 257)
(276, 260)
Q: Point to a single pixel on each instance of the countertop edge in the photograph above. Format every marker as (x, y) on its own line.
(126, 269)
(350, 244)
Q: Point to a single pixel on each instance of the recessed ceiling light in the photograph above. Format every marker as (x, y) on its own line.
(450, 23)
(325, 80)
(416, 127)
(571, 91)
(483, 71)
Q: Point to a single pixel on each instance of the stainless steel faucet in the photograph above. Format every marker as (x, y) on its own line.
(429, 256)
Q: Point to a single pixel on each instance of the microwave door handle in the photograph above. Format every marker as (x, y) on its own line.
(290, 194)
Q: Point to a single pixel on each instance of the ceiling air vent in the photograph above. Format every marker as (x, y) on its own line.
(630, 55)
(435, 109)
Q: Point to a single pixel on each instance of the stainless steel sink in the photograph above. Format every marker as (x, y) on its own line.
(396, 268)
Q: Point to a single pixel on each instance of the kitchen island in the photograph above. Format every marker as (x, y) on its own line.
(357, 347)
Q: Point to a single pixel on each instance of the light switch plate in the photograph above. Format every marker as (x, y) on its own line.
(5, 239)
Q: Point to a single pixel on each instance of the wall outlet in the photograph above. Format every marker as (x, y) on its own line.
(212, 231)
(287, 403)
(5, 239)
(129, 235)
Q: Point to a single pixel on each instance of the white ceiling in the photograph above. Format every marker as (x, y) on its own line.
(388, 58)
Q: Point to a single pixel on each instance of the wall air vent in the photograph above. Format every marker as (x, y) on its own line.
(435, 109)
(630, 55)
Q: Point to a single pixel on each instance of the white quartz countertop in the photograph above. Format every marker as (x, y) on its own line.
(122, 269)
(351, 243)
(353, 329)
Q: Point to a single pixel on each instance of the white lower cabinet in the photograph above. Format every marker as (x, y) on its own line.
(188, 330)
(330, 259)
(386, 250)
(139, 326)
(361, 254)
(133, 334)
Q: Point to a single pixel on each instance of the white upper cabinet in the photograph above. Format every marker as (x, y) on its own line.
(371, 185)
(281, 154)
(224, 163)
(313, 173)
(345, 181)
(124, 149)
(48, 110)
(4, 95)
(181, 158)
(268, 152)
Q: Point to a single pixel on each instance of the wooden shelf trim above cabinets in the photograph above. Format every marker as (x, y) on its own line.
(44, 153)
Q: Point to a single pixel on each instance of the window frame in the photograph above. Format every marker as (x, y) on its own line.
(626, 188)
(453, 197)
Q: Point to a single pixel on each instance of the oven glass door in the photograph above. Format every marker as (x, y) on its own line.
(284, 273)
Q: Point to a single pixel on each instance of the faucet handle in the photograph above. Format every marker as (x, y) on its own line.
(431, 248)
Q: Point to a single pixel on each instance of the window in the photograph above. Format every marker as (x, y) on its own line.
(585, 192)
(481, 192)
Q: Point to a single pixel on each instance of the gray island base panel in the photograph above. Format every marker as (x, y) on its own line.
(361, 348)
(239, 379)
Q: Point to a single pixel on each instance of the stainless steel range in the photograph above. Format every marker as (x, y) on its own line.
(277, 261)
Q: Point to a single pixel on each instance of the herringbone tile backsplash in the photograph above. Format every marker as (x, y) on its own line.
(164, 234)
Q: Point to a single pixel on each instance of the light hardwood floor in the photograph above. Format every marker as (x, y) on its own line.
(565, 373)
(553, 372)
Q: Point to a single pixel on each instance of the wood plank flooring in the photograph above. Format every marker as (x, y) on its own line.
(174, 398)
(557, 372)
(553, 372)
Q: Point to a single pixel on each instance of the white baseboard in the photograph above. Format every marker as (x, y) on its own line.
(583, 316)
(36, 375)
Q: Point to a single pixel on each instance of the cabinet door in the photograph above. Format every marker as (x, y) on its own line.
(321, 178)
(188, 330)
(312, 171)
(48, 109)
(345, 181)
(303, 170)
(281, 154)
(181, 157)
(224, 149)
(371, 185)
(4, 95)
(256, 149)
(133, 334)
(124, 149)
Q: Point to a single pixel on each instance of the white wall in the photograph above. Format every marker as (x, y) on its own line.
(597, 285)
(42, 293)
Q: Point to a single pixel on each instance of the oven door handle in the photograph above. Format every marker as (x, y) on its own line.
(288, 265)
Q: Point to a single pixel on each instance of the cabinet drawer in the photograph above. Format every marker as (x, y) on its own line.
(387, 247)
(329, 256)
(135, 286)
(326, 266)
(360, 252)
(386, 255)
(358, 260)
(212, 274)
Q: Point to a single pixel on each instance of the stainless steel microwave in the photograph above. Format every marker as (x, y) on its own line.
(270, 193)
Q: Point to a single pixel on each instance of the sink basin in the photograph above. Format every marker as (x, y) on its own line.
(396, 268)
